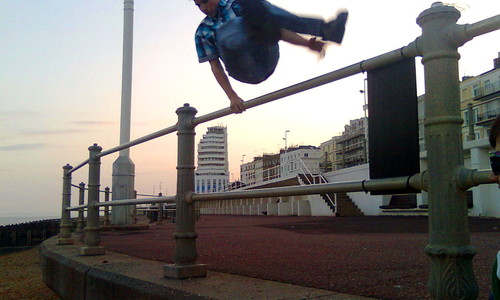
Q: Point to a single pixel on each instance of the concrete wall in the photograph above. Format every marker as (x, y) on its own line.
(304, 208)
(319, 206)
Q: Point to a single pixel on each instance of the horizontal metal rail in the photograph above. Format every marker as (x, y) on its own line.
(376, 62)
(78, 207)
(140, 140)
(81, 165)
(467, 179)
(479, 28)
(369, 185)
(137, 201)
(170, 199)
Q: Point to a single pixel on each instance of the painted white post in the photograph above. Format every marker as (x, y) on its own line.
(65, 227)
(123, 167)
(185, 254)
(449, 249)
(81, 200)
(92, 237)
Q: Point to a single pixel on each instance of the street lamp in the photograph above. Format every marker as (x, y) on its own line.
(363, 91)
(286, 139)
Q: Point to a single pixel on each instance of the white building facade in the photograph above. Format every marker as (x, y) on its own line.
(212, 173)
(301, 160)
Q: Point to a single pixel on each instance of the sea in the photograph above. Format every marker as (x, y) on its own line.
(17, 220)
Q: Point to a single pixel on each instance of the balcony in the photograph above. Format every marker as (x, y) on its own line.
(487, 92)
(487, 118)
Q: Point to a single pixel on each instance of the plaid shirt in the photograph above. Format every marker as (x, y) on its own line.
(206, 44)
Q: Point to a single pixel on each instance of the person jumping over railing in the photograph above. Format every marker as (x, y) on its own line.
(244, 34)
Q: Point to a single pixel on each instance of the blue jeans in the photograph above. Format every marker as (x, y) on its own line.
(295, 23)
(245, 60)
(248, 60)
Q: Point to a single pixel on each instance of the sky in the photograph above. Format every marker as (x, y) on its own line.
(60, 87)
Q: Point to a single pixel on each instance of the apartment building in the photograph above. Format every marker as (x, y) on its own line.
(300, 160)
(262, 168)
(329, 155)
(347, 150)
(352, 147)
(480, 102)
(212, 173)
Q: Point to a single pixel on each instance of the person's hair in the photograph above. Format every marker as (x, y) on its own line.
(494, 132)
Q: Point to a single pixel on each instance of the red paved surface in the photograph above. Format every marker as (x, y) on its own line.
(380, 257)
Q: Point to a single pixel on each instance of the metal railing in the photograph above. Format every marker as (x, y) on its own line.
(445, 181)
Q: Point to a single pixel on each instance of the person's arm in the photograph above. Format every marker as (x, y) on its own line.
(221, 77)
(295, 39)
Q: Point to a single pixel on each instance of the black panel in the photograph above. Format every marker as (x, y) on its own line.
(393, 123)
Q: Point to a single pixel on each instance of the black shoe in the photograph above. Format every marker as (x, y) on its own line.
(334, 30)
(259, 23)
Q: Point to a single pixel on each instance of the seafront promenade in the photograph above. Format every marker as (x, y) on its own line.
(379, 257)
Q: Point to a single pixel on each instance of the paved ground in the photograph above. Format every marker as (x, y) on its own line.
(380, 257)
(21, 277)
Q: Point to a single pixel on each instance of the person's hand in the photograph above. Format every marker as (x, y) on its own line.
(495, 178)
(237, 104)
(317, 46)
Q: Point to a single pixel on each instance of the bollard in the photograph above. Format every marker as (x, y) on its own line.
(65, 227)
(92, 238)
(185, 254)
(159, 221)
(80, 224)
(449, 248)
(106, 208)
(134, 210)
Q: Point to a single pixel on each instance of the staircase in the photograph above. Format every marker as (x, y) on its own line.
(340, 204)
(408, 201)
(404, 205)
(345, 206)
(306, 179)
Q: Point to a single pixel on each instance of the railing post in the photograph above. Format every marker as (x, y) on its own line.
(92, 238)
(81, 200)
(106, 208)
(452, 275)
(159, 221)
(134, 210)
(65, 226)
(185, 254)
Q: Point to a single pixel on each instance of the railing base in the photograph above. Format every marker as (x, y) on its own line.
(88, 251)
(185, 271)
(65, 241)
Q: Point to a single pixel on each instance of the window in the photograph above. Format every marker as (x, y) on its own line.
(464, 94)
(475, 90)
(488, 87)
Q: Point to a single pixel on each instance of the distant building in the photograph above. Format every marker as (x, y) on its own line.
(480, 102)
(270, 166)
(329, 159)
(212, 173)
(347, 150)
(250, 170)
(352, 149)
(300, 160)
